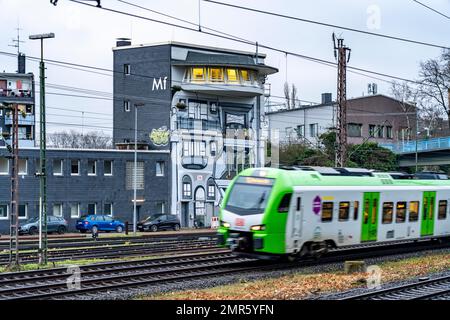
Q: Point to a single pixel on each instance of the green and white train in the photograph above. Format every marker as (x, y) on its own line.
(271, 212)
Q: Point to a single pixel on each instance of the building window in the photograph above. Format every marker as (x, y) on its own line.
(211, 194)
(389, 132)
(4, 211)
(388, 210)
(327, 211)
(92, 167)
(232, 76)
(57, 209)
(213, 148)
(108, 168)
(4, 166)
(301, 131)
(161, 207)
(23, 211)
(187, 187)
(198, 74)
(372, 130)
(139, 175)
(314, 130)
(23, 164)
(108, 209)
(127, 106)
(354, 129)
(414, 211)
(57, 167)
(126, 69)
(74, 210)
(245, 76)
(215, 74)
(75, 167)
(159, 168)
(380, 131)
(92, 208)
(213, 107)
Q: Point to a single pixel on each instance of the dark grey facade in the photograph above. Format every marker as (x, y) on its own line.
(91, 189)
(147, 64)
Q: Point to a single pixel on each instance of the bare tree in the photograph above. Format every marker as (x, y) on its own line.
(407, 98)
(76, 140)
(434, 76)
(290, 94)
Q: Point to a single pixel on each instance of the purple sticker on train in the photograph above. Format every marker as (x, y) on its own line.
(317, 204)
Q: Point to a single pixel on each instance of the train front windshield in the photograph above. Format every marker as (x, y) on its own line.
(249, 195)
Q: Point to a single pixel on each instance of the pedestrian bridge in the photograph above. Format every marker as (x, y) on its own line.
(432, 151)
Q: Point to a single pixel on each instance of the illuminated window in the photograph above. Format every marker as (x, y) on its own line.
(344, 210)
(245, 75)
(232, 75)
(414, 211)
(215, 74)
(198, 74)
(401, 212)
(355, 210)
(327, 211)
(388, 210)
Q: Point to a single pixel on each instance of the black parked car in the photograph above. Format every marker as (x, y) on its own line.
(159, 221)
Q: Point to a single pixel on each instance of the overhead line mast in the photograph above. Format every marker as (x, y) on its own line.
(340, 54)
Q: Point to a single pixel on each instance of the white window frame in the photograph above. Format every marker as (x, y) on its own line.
(127, 69)
(163, 207)
(95, 168)
(78, 210)
(62, 168)
(79, 169)
(187, 190)
(60, 209)
(163, 166)
(213, 193)
(127, 105)
(7, 212)
(23, 173)
(26, 212)
(2, 173)
(112, 166)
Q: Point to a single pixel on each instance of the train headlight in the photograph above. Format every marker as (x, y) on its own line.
(259, 227)
(225, 224)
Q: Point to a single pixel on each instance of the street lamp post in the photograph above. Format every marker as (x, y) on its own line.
(42, 148)
(136, 105)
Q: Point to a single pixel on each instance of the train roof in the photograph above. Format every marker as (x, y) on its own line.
(324, 176)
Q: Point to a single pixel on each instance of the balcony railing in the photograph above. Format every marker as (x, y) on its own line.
(15, 93)
(423, 145)
(194, 162)
(28, 120)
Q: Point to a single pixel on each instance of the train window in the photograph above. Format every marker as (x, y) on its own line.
(388, 210)
(413, 211)
(299, 203)
(431, 212)
(425, 208)
(284, 204)
(442, 209)
(366, 211)
(374, 211)
(355, 210)
(400, 216)
(327, 211)
(344, 211)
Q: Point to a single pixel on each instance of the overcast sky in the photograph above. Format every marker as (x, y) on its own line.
(85, 35)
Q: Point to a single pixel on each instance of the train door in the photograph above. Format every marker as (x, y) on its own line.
(370, 216)
(294, 224)
(429, 201)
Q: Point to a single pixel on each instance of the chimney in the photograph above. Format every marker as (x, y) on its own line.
(121, 42)
(21, 63)
(326, 98)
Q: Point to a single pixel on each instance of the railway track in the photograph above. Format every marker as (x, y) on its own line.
(101, 278)
(434, 289)
(107, 251)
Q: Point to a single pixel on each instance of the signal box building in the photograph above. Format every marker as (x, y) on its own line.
(203, 105)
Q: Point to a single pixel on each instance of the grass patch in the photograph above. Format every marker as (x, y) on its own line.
(302, 285)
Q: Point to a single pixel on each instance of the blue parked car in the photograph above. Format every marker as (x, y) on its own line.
(99, 222)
